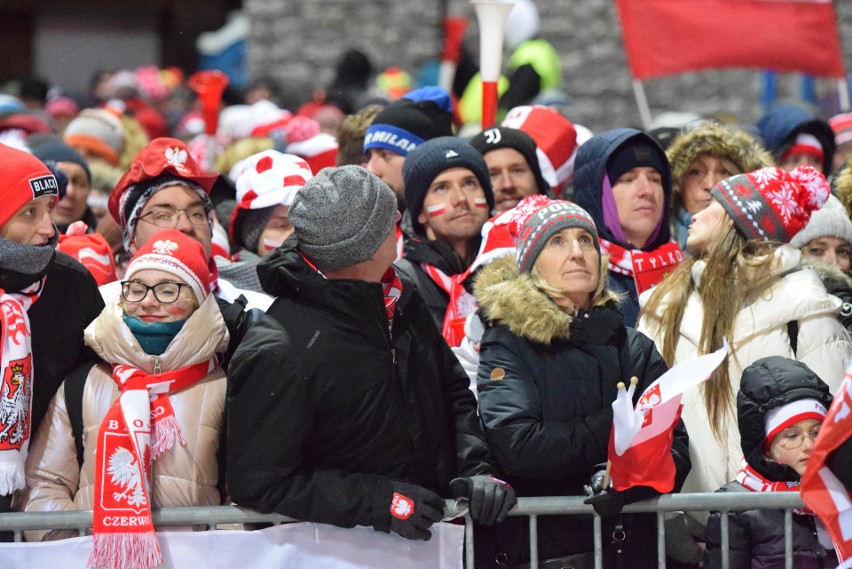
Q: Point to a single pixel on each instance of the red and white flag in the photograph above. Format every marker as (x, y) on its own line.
(640, 442)
(667, 37)
(820, 489)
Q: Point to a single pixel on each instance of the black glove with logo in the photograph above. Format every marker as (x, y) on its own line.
(490, 498)
(413, 510)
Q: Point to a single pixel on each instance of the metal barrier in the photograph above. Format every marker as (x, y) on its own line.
(531, 507)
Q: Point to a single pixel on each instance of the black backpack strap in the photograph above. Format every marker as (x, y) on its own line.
(75, 382)
(793, 333)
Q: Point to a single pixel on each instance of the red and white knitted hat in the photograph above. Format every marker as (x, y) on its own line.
(92, 250)
(788, 415)
(554, 135)
(178, 254)
(268, 179)
(770, 203)
(805, 144)
(305, 139)
(841, 125)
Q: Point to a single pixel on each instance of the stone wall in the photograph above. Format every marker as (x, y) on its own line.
(299, 42)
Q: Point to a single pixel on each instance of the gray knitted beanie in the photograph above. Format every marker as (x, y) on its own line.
(341, 216)
(828, 221)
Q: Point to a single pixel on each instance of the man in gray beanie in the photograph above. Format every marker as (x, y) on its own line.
(345, 404)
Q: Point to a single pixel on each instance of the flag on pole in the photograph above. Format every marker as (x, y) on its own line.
(640, 442)
(820, 488)
(667, 37)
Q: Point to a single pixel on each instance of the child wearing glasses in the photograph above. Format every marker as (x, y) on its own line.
(781, 405)
(151, 410)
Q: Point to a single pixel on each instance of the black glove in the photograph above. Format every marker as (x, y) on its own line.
(607, 503)
(595, 485)
(413, 510)
(490, 498)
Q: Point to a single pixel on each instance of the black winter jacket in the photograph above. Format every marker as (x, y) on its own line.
(325, 410)
(589, 173)
(546, 384)
(69, 302)
(757, 536)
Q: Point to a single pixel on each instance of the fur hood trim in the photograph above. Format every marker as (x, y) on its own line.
(515, 301)
(832, 277)
(720, 141)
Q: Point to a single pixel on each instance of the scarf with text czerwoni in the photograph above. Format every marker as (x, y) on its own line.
(139, 426)
(16, 384)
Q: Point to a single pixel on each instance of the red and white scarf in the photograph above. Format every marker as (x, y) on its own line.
(139, 426)
(392, 288)
(461, 305)
(16, 385)
(647, 268)
(753, 481)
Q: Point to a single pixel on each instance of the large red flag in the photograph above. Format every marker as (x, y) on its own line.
(640, 442)
(820, 489)
(667, 37)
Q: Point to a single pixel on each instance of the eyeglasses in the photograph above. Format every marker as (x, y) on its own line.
(792, 438)
(167, 217)
(166, 292)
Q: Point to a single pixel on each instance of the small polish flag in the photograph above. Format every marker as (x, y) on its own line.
(640, 442)
(480, 202)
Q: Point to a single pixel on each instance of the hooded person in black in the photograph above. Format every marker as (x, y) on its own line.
(623, 179)
(780, 405)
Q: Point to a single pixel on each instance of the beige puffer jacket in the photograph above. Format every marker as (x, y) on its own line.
(759, 330)
(183, 476)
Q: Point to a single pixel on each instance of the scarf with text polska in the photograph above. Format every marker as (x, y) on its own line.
(139, 427)
(647, 268)
(16, 384)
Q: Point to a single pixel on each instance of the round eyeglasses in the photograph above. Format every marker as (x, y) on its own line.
(165, 292)
(792, 438)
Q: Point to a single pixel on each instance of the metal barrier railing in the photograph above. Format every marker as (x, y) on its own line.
(531, 507)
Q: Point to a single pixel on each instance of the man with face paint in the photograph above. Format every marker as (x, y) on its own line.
(261, 220)
(449, 198)
(39, 288)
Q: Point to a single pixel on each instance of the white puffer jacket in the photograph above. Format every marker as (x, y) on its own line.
(759, 330)
(184, 475)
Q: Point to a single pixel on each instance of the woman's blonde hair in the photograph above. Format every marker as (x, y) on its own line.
(600, 296)
(736, 273)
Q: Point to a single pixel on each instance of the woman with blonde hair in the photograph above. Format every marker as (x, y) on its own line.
(554, 349)
(745, 284)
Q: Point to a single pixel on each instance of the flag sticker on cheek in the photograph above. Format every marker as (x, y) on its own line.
(480, 202)
(435, 210)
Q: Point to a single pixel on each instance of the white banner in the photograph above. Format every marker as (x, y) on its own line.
(295, 546)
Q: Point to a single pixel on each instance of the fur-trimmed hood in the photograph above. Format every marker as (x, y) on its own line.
(514, 300)
(720, 141)
(831, 276)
